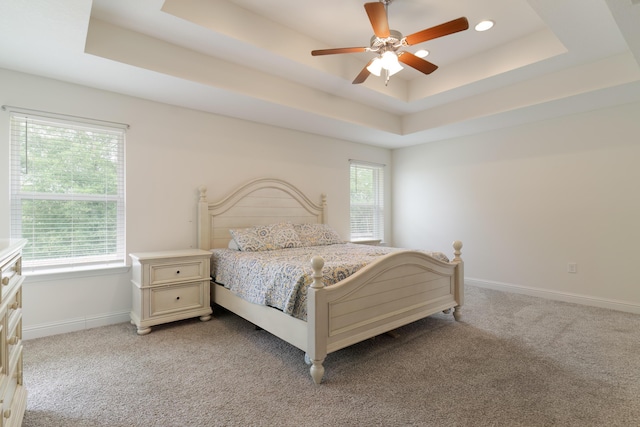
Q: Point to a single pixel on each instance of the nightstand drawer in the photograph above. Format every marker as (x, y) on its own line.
(181, 271)
(170, 299)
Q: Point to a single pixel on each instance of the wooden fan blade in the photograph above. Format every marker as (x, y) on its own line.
(338, 50)
(360, 78)
(418, 63)
(445, 29)
(378, 17)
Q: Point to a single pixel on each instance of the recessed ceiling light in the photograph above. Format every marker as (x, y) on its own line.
(421, 53)
(484, 25)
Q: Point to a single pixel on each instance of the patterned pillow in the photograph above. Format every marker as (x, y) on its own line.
(266, 237)
(317, 234)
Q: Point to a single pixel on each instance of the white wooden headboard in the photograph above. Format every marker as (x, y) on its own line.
(259, 202)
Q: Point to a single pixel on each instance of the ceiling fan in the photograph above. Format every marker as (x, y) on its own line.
(388, 43)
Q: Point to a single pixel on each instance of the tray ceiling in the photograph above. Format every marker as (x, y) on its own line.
(251, 59)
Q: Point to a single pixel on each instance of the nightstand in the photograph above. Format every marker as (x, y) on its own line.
(169, 286)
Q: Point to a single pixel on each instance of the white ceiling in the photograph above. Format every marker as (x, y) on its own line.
(251, 59)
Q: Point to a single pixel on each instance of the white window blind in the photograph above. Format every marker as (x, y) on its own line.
(67, 191)
(367, 201)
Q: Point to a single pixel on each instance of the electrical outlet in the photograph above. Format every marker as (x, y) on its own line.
(572, 267)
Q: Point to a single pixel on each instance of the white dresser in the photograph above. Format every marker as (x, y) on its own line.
(169, 286)
(12, 390)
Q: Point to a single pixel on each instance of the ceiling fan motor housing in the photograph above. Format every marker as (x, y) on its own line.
(394, 41)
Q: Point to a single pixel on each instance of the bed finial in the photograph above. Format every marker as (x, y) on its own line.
(457, 246)
(203, 193)
(317, 263)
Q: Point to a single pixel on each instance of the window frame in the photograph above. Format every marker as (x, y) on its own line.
(78, 261)
(376, 215)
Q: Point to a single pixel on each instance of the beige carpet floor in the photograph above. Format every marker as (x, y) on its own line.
(514, 360)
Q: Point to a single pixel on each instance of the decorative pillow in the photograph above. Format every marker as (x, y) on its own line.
(317, 234)
(246, 239)
(266, 237)
(233, 245)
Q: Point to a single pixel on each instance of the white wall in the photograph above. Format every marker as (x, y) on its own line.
(525, 201)
(528, 200)
(170, 152)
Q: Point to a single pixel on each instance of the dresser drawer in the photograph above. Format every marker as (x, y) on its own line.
(14, 336)
(10, 272)
(14, 303)
(170, 299)
(14, 395)
(12, 369)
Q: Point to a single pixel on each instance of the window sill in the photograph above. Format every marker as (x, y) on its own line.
(371, 242)
(73, 272)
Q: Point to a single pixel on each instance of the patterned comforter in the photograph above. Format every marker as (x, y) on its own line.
(279, 278)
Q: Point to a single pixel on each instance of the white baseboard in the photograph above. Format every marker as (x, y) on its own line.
(555, 295)
(72, 325)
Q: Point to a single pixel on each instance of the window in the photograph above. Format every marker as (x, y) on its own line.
(67, 191)
(367, 201)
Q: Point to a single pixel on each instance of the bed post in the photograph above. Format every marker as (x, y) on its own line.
(204, 233)
(317, 322)
(459, 279)
(323, 204)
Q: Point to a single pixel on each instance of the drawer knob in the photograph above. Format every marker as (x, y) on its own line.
(14, 305)
(7, 413)
(5, 281)
(13, 340)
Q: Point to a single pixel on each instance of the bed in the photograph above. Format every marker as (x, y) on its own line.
(394, 289)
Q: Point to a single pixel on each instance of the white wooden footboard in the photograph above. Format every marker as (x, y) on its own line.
(399, 289)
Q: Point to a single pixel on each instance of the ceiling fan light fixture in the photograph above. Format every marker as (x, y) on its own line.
(394, 68)
(375, 67)
(484, 25)
(389, 60)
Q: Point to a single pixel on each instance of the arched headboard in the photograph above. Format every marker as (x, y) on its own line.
(258, 202)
